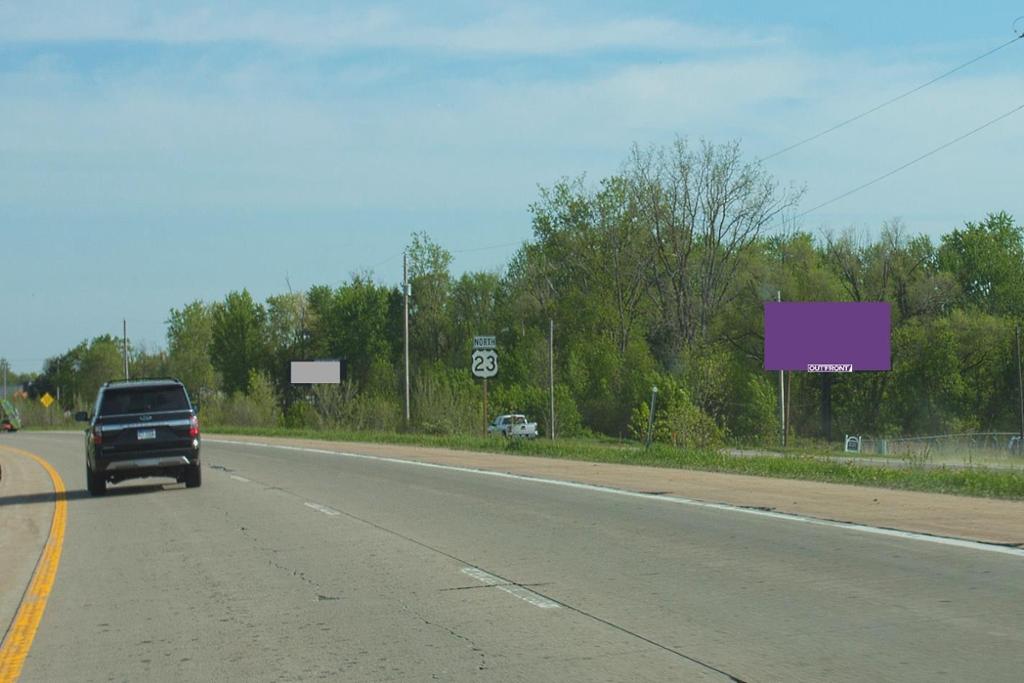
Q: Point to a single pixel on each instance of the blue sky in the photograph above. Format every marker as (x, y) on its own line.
(156, 154)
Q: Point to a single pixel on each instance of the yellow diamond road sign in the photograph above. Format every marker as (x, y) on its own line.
(46, 400)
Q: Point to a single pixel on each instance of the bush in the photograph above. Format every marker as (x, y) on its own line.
(535, 403)
(756, 418)
(302, 415)
(257, 408)
(35, 416)
(677, 420)
(374, 412)
(446, 401)
(333, 403)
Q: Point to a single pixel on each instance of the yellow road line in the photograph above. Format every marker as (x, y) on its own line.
(23, 629)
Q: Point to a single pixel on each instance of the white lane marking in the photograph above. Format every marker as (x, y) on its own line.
(238, 478)
(522, 593)
(323, 508)
(784, 516)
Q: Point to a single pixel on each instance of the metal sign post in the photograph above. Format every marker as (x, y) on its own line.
(47, 401)
(650, 421)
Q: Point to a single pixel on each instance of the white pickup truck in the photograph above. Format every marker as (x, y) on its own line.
(513, 425)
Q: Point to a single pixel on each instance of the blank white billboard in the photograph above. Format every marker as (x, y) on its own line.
(316, 372)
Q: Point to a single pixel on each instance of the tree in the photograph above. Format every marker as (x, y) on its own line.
(594, 258)
(287, 330)
(100, 362)
(429, 328)
(987, 261)
(475, 301)
(361, 328)
(703, 207)
(144, 363)
(238, 341)
(189, 341)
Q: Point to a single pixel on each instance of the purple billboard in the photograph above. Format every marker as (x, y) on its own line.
(827, 336)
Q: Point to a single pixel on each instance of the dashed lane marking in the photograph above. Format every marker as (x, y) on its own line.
(323, 508)
(512, 589)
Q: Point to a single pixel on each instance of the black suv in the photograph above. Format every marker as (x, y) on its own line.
(141, 428)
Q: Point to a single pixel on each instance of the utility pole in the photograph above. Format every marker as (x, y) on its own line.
(1020, 384)
(405, 294)
(551, 372)
(124, 328)
(782, 390)
(5, 376)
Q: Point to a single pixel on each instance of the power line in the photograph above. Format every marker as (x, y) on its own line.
(454, 251)
(493, 246)
(914, 161)
(890, 101)
(389, 258)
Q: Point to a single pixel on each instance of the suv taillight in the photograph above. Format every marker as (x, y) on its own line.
(193, 429)
(97, 436)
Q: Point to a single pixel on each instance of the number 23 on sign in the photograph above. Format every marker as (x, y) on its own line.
(485, 363)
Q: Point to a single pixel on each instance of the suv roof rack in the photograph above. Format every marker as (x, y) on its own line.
(142, 379)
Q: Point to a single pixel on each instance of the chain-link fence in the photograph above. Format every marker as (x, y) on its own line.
(969, 448)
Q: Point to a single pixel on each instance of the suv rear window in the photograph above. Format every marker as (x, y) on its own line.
(143, 400)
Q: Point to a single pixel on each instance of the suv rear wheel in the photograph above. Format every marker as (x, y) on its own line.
(96, 484)
(193, 477)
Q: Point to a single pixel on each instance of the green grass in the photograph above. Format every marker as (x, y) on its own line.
(976, 481)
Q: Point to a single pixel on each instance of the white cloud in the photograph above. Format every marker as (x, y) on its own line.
(267, 133)
(251, 146)
(512, 32)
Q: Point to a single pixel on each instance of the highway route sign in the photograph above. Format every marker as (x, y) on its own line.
(484, 363)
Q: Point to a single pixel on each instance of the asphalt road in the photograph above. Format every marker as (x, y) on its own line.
(290, 565)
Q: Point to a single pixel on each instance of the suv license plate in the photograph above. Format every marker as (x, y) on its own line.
(147, 434)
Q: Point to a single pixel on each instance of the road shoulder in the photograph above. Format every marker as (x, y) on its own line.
(979, 519)
(26, 510)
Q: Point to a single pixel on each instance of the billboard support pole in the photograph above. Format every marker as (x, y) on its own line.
(789, 403)
(782, 392)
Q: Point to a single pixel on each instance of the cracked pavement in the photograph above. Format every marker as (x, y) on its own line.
(243, 580)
